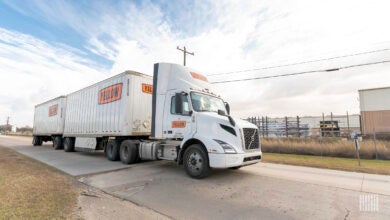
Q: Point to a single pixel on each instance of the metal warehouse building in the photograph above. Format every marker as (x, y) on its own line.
(375, 110)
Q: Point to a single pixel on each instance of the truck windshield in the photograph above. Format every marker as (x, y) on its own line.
(206, 103)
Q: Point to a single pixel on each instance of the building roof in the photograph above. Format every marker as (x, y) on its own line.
(379, 88)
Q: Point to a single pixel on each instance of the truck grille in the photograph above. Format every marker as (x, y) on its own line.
(251, 138)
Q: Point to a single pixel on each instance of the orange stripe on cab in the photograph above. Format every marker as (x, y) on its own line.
(198, 76)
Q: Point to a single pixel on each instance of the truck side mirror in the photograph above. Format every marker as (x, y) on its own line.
(227, 106)
(179, 103)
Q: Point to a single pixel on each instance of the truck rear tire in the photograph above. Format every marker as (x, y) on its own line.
(112, 150)
(37, 141)
(128, 152)
(68, 144)
(57, 143)
(196, 162)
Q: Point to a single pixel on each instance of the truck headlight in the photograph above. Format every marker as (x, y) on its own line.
(226, 147)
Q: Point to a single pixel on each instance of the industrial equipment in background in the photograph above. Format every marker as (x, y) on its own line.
(330, 128)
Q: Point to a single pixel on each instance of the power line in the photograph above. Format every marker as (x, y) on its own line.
(301, 73)
(299, 63)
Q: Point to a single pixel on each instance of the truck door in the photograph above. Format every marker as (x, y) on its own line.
(176, 125)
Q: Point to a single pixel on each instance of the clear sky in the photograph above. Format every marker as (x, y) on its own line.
(51, 48)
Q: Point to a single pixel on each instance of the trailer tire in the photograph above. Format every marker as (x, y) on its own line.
(112, 150)
(196, 162)
(68, 144)
(57, 143)
(37, 141)
(128, 152)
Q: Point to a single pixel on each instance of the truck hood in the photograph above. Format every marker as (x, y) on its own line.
(209, 127)
(213, 116)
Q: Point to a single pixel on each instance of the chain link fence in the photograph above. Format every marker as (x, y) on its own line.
(307, 126)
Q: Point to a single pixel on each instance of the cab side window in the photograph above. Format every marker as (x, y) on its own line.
(186, 106)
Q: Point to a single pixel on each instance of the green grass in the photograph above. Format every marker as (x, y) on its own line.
(32, 190)
(347, 164)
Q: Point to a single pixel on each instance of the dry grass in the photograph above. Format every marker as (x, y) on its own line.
(347, 164)
(333, 147)
(32, 190)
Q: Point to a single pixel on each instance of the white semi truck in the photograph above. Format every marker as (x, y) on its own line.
(172, 116)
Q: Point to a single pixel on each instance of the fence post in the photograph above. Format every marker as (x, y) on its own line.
(262, 126)
(331, 122)
(376, 152)
(348, 125)
(323, 121)
(299, 134)
(357, 146)
(286, 126)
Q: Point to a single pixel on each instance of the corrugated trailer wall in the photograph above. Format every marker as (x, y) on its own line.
(49, 117)
(118, 106)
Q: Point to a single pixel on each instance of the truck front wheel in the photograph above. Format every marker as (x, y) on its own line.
(196, 162)
(112, 150)
(128, 152)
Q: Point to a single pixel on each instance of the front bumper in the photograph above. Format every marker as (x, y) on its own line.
(234, 160)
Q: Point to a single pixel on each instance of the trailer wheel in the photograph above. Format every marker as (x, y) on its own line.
(37, 141)
(68, 144)
(128, 152)
(112, 150)
(57, 143)
(196, 162)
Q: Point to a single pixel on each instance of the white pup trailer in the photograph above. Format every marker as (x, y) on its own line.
(49, 121)
(172, 116)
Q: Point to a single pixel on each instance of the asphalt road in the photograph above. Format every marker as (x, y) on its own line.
(73, 163)
(264, 190)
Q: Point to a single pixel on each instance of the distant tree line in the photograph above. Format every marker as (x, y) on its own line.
(8, 128)
(5, 128)
(25, 129)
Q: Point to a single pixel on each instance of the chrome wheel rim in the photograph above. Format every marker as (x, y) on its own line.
(195, 162)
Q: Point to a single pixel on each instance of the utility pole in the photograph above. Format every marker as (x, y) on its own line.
(185, 52)
(7, 120)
